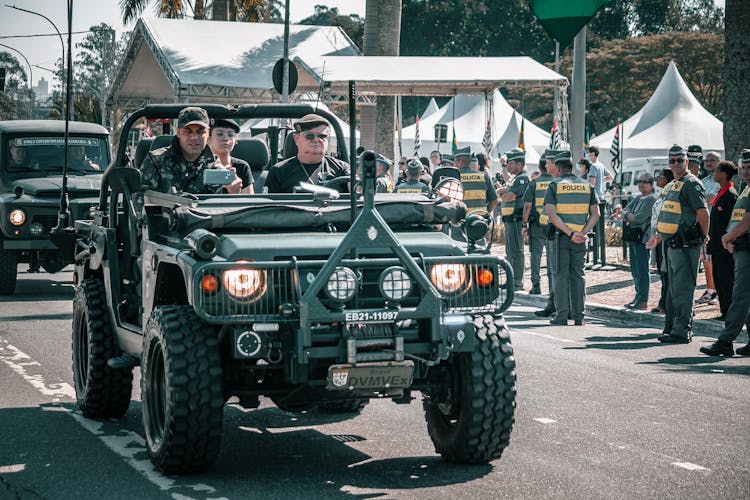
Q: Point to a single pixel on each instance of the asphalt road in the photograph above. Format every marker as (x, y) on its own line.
(604, 411)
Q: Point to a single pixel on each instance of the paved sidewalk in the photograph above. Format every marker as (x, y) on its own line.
(608, 290)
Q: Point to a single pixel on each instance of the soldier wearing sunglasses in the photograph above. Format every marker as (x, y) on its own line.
(311, 164)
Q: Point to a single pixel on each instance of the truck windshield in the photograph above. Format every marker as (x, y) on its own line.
(44, 155)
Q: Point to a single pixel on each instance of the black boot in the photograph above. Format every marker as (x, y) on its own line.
(545, 313)
(744, 351)
(719, 348)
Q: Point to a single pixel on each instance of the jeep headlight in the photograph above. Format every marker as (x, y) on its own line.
(448, 278)
(245, 283)
(17, 217)
(342, 284)
(395, 283)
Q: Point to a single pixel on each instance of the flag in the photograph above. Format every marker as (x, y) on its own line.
(416, 139)
(487, 139)
(615, 149)
(554, 136)
(520, 136)
(563, 20)
(454, 143)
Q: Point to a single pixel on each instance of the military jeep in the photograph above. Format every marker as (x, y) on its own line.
(31, 175)
(314, 299)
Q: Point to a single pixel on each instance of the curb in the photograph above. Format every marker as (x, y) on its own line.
(709, 328)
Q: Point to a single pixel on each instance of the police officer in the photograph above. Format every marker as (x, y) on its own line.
(179, 167)
(412, 184)
(535, 223)
(573, 208)
(383, 181)
(511, 211)
(479, 195)
(737, 242)
(683, 226)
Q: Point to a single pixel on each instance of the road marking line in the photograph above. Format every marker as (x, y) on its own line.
(124, 443)
(546, 336)
(9, 469)
(545, 420)
(688, 466)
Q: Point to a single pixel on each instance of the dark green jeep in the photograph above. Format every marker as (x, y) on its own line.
(31, 168)
(313, 299)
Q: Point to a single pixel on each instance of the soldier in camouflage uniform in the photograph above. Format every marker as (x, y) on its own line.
(179, 168)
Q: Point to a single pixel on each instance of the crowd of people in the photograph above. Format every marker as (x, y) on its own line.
(691, 221)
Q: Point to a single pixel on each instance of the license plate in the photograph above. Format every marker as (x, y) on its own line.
(375, 316)
(392, 375)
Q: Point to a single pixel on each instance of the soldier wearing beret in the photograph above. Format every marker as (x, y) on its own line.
(737, 242)
(573, 209)
(311, 164)
(511, 211)
(683, 226)
(179, 167)
(222, 140)
(412, 184)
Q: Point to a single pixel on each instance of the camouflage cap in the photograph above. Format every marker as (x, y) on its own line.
(192, 114)
(310, 121)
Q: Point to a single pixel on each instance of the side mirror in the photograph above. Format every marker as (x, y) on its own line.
(124, 179)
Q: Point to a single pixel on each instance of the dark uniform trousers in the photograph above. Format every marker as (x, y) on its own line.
(739, 311)
(537, 240)
(682, 268)
(514, 250)
(570, 286)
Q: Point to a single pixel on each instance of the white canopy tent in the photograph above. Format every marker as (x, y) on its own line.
(671, 116)
(184, 60)
(431, 108)
(467, 114)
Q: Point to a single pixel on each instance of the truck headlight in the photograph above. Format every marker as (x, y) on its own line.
(342, 284)
(17, 217)
(395, 283)
(448, 278)
(245, 283)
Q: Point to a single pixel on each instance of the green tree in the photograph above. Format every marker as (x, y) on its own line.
(17, 101)
(352, 24)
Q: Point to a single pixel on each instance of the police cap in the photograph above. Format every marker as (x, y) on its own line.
(462, 152)
(745, 158)
(516, 154)
(677, 150)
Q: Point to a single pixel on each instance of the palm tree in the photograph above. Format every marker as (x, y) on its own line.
(255, 11)
(173, 9)
(736, 69)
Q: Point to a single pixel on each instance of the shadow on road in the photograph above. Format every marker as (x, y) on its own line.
(701, 364)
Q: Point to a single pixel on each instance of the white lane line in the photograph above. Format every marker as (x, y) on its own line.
(124, 443)
(689, 466)
(544, 335)
(545, 420)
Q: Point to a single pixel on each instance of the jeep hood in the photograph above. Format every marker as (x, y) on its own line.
(88, 185)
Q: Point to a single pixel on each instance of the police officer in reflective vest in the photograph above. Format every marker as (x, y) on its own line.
(682, 226)
(737, 242)
(573, 209)
(412, 184)
(479, 195)
(535, 223)
(511, 211)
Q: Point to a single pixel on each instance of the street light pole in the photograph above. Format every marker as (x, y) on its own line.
(31, 78)
(62, 43)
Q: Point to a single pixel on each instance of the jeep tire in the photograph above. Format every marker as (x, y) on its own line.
(101, 391)
(470, 414)
(181, 391)
(8, 271)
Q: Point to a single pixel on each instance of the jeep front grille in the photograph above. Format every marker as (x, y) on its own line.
(47, 221)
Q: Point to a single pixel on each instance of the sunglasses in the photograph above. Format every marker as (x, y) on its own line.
(402, 163)
(644, 182)
(676, 160)
(312, 135)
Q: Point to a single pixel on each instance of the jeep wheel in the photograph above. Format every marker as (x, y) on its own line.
(101, 392)
(344, 406)
(181, 390)
(470, 412)
(8, 271)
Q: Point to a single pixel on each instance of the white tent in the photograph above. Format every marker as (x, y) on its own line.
(671, 116)
(431, 108)
(470, 123)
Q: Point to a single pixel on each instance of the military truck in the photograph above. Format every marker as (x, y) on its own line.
(314, 299)
(31, 168)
